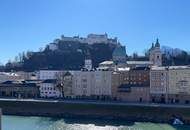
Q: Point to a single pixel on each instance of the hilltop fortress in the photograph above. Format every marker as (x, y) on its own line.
(90, 39)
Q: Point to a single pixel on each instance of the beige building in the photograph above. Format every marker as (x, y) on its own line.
(159, 84)
(179, 84)
(90, 84)
(170, 84)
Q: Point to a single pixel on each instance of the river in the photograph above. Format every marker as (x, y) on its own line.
(44, 123)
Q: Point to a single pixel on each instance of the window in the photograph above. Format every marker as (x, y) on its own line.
(84, 80)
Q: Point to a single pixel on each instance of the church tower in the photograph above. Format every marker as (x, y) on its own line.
(155, 54)
(88, 62)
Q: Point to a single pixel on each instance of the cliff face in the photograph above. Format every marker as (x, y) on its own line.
(69, 55)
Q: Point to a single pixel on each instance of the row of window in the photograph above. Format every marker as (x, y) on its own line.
(47, 88)
(48, 92)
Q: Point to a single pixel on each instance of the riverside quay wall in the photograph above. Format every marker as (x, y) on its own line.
(101, 110)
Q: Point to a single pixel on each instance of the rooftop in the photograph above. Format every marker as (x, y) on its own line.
(8, 74)
(179, 67)
(123, 69)
(169, 67)
(159, 68)
(107, 63)
(140, 62)
(141, 68)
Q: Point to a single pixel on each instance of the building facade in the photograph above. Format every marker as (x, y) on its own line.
(179, 84)
(90, 84)
(18, 89)
(52, 85)
(159, 82)
(48, 74)
(49, 89)
(132, 85)
(67, 85)
(64, 83)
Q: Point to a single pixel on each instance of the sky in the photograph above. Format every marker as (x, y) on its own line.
(32, 24)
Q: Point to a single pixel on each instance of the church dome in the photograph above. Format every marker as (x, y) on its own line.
(119, 51)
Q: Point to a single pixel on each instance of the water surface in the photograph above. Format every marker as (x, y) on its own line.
(44, 123)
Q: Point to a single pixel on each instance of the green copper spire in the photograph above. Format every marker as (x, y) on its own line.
(157, 43)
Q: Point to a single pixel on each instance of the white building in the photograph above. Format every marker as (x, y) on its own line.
(48, 89)
(92, 83)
